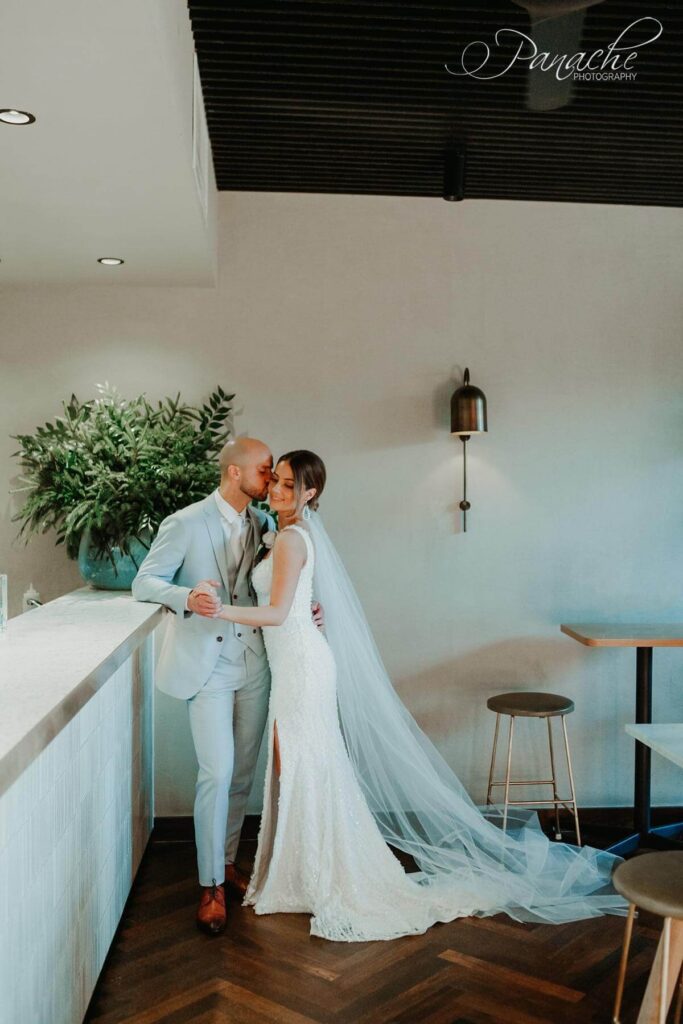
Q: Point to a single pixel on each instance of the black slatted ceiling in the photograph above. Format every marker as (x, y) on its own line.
(353, 97)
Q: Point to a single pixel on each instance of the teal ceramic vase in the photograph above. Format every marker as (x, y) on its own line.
(105, 573)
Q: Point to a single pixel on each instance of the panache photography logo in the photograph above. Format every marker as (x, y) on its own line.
(614, 63)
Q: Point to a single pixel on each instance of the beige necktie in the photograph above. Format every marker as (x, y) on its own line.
(236, 545)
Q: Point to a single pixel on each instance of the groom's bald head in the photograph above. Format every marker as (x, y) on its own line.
(242, 453)
(246, 466)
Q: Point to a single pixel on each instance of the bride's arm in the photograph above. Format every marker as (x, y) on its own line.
(289, 555)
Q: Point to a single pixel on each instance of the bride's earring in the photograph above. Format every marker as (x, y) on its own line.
(307, 512)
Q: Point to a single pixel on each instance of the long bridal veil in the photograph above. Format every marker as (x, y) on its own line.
(418, 802)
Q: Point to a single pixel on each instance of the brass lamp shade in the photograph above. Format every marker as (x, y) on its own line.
(468, 409)
(468, 416)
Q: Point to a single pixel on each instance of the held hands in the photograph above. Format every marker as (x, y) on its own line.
(318, 616)
(204, 600)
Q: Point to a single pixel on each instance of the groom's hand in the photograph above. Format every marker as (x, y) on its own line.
(203, 599)
(317, 613)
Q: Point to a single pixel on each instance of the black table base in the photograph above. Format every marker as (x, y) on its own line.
(663, 837)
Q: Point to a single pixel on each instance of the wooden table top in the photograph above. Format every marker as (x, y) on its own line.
(665, 739)
(643, 634)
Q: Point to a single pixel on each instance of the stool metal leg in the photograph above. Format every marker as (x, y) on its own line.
(558, 833)
(571, 780)
(622, 965)
(507, 772)
(493, 761)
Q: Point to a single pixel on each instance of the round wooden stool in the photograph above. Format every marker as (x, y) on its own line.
(528, 704)
(654, 881)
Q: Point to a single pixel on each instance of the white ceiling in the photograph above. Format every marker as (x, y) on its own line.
(107, 168)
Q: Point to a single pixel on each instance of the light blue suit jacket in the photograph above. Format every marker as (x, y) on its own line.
(189, 547)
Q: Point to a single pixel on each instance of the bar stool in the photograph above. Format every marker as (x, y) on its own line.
(654, 881)
(533, 705)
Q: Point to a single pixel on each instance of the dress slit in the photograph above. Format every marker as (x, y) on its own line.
(277, 761)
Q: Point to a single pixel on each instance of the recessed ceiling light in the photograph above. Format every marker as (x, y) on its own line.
(16, 117)
(110, 261)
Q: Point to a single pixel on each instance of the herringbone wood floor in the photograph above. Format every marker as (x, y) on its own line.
(161, 970)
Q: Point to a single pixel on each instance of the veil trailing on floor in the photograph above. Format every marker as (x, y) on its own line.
(418, 802)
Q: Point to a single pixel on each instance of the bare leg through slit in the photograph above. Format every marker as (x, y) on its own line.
(276, 750)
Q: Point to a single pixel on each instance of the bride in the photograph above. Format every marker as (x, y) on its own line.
(350, 774)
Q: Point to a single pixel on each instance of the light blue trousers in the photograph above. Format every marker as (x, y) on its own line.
(227, 719)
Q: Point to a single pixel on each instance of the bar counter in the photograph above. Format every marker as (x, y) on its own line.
(76, 793)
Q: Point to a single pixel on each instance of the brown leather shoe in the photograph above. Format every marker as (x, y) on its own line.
(211, 916)
(236, 879)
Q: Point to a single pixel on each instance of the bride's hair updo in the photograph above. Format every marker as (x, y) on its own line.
(309, 471)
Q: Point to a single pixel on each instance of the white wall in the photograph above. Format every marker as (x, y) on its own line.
(342, 323)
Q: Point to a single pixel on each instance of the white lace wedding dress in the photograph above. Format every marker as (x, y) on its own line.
(320, 850)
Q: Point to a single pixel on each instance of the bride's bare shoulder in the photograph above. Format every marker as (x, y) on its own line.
(291, 542)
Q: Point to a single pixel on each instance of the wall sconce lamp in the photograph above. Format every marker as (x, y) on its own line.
(468, 416)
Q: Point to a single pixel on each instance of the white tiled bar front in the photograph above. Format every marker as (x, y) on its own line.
(76, 794)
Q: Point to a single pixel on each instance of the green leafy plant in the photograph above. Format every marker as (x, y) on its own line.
(116, 467)
(264, 507)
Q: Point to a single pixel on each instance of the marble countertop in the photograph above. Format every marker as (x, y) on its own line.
(664, 738)
(54, 658)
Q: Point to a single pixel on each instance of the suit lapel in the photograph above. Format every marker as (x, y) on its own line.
(213, 525)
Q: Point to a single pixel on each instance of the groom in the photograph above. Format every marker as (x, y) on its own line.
(219, 668)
